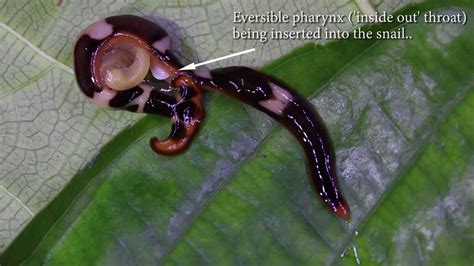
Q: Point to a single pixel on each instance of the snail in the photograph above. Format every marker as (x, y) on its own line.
(125, 63)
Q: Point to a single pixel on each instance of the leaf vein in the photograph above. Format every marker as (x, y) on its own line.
(36, 49)
(18, 200)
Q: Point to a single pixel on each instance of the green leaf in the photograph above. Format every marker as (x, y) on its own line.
(398, 112)
(48, 131)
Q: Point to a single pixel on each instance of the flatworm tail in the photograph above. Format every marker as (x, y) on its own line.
(284, 105)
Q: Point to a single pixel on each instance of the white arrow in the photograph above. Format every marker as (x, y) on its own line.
(193, 66)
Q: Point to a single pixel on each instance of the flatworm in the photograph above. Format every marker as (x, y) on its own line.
(125, 63)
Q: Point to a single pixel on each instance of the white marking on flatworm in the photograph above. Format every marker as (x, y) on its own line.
(280, 93)
(143, 98)
(273, 105)
(103, 98)
(203, 72)
(281, 98)
(158, 72)
(99, 30)
(163, 44)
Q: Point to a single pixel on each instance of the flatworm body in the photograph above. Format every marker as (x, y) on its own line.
(125, 63)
